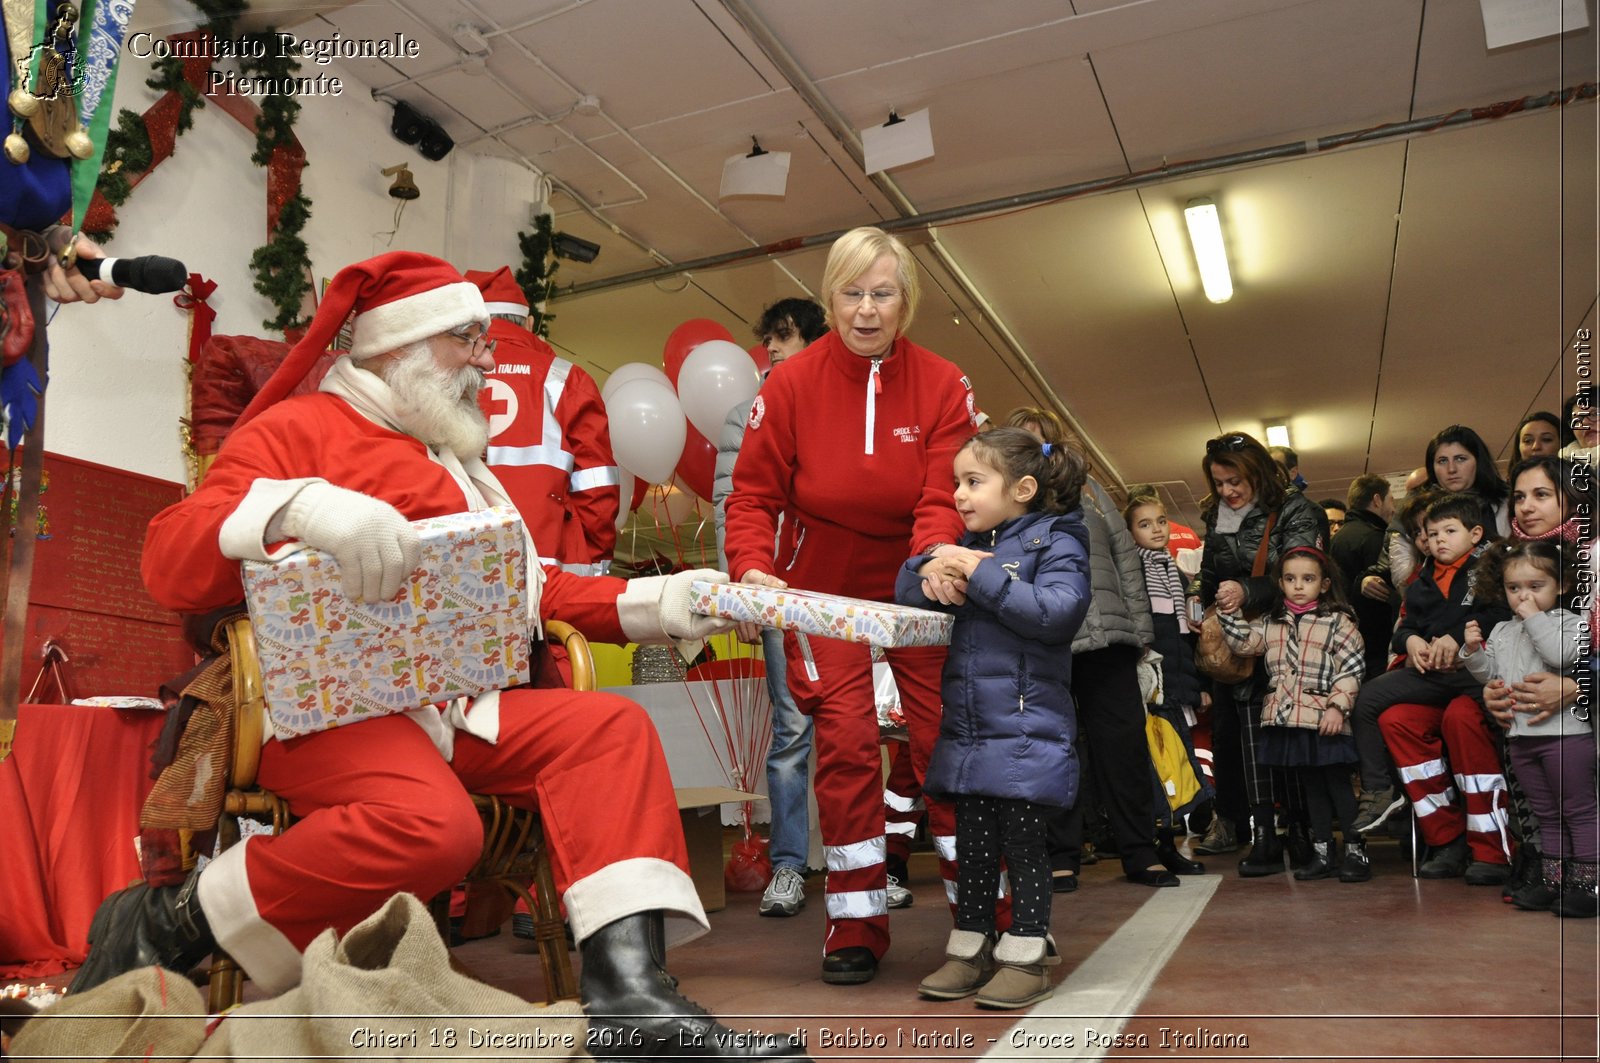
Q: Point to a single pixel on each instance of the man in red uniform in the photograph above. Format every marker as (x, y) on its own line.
(549, 441)
(393, 435)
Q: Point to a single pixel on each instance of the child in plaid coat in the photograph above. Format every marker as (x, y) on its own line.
(1314, 660)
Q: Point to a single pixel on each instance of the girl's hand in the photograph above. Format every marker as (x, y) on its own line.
(1205, 700)
(1331, 722)
(1526, 607)
(966, 562)
(1230, 596)
(1474, 635)
(1419, 654)
(943, 582)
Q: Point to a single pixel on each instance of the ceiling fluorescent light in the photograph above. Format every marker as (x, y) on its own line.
(1278, 435)
(1210, 253)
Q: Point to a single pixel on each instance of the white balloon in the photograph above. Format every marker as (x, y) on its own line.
(625, 495)
(682, 505)
(647, 428)
(716, 376)
(631, 371)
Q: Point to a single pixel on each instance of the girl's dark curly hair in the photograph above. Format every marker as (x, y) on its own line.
(1057, 468)
(1554, 558)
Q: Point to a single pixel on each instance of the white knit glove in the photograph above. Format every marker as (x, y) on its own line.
(375, 546)
(656, 608)
(676, 619)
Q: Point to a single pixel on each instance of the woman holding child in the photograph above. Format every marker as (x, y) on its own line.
(1252, 518)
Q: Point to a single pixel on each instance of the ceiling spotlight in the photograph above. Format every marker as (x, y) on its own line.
(574, 248)
(1277, 435)
(1210, 253)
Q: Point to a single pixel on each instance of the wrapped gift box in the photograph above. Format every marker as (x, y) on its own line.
(829, 615)
(459, 627)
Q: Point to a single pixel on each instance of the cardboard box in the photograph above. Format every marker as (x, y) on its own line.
(700, 807)
(459, 627)
(882, 624)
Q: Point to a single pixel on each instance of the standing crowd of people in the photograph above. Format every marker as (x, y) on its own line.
(1442, 656)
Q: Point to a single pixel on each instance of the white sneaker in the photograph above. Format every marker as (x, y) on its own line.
(897, 896)
(785, 894)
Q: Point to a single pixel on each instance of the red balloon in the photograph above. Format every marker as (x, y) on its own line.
(763, 360)
(685, 338)
(641, 487)
(698, 466)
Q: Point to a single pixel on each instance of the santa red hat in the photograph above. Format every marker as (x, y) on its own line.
(397, 299)
(501, 292)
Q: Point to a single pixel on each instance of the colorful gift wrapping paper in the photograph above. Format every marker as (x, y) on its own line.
(828, 615)
(459, 627)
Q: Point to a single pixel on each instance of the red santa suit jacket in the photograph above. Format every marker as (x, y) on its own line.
(859, 454)
(550, 446)
(322, 437)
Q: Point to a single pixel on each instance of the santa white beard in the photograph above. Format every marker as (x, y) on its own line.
(436, 405)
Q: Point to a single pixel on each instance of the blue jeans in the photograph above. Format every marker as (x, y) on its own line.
(787, 763)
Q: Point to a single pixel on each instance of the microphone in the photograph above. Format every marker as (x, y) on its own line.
(153, 274)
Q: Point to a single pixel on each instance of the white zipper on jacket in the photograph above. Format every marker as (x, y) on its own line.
(874, 388)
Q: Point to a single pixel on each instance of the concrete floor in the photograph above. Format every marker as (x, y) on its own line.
(1220, 968)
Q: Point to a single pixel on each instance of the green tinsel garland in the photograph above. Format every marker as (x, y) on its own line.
(281, 265)
(536, 278)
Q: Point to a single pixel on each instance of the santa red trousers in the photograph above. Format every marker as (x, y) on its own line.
(379, 811)
(1449, 764)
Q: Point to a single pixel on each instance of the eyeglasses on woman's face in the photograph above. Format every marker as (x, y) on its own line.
(880, 296)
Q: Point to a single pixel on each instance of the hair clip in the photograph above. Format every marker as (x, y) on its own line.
(1047, 448)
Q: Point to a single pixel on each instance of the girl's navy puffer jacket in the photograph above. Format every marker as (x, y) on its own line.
(1009, 722)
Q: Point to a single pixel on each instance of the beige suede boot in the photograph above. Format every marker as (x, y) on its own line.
(1021, 978)
(966, 967)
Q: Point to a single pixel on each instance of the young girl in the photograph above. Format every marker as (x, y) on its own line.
(1553, 757)
(1314, 658)
(1182, 695)
(1019, 589)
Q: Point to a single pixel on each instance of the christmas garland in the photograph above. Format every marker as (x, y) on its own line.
(536, 278)
(140, 143)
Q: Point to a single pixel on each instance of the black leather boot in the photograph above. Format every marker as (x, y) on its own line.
(1298, 841)
(1266, 851)
(1319, 866)
(145, 926)
(636, 1012)
(1173, 860)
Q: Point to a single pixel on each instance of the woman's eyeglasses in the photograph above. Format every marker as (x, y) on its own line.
(478, 340)
(1222, 444)
(880, 296)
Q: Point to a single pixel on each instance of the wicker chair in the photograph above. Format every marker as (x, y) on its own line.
(514, 852)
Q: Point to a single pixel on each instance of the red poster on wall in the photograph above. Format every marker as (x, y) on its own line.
(86, 596)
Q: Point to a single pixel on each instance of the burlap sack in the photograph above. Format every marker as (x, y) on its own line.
(387, 991)
(145, 1014)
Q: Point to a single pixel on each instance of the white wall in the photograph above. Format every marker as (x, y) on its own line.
(118, 386)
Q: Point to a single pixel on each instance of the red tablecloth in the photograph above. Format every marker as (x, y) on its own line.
(69, 812)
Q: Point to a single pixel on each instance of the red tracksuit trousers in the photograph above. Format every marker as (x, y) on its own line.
(835, 689)
(1449, 764)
